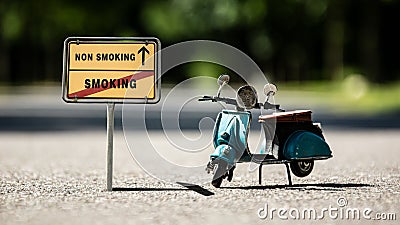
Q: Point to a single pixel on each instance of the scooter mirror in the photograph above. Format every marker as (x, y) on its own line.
(270, 90)
(223, 79)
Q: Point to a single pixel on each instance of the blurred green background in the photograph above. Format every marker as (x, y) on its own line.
(341, 48)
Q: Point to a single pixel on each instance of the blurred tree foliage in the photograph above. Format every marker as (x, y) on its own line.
(290, 39)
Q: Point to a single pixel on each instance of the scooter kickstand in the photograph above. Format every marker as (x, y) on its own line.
(230, 173)
(288, 174)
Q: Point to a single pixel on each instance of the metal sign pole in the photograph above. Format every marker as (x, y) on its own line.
(110, 143)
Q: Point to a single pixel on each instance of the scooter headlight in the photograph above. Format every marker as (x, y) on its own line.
(246, 97)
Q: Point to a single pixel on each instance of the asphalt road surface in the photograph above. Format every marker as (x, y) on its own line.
(59, 178)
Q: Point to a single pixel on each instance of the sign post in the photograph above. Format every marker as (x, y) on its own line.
(111, 70)
(110, 144)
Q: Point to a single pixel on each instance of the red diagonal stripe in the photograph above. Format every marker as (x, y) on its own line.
(90, 91)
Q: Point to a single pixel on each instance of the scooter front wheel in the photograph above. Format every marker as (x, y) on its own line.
(219, 172)
(302, 168)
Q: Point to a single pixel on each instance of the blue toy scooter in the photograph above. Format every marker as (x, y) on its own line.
(291, 137)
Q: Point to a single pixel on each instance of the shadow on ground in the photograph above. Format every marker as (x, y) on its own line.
(322, 187)
(205, 192)
(189, 187)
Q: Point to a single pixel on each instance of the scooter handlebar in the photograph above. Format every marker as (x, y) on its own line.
(230, 101)
(206, 98)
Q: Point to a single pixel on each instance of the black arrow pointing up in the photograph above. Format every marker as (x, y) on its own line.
(143, 50)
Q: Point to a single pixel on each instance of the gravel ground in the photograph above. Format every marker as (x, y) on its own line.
(59, 178)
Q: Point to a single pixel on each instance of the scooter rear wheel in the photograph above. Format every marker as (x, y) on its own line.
(302, 168)
(219, 173)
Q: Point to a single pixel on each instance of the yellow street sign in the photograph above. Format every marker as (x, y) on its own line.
(111, 70)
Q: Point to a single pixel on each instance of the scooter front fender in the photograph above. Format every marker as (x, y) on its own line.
(226, 153)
